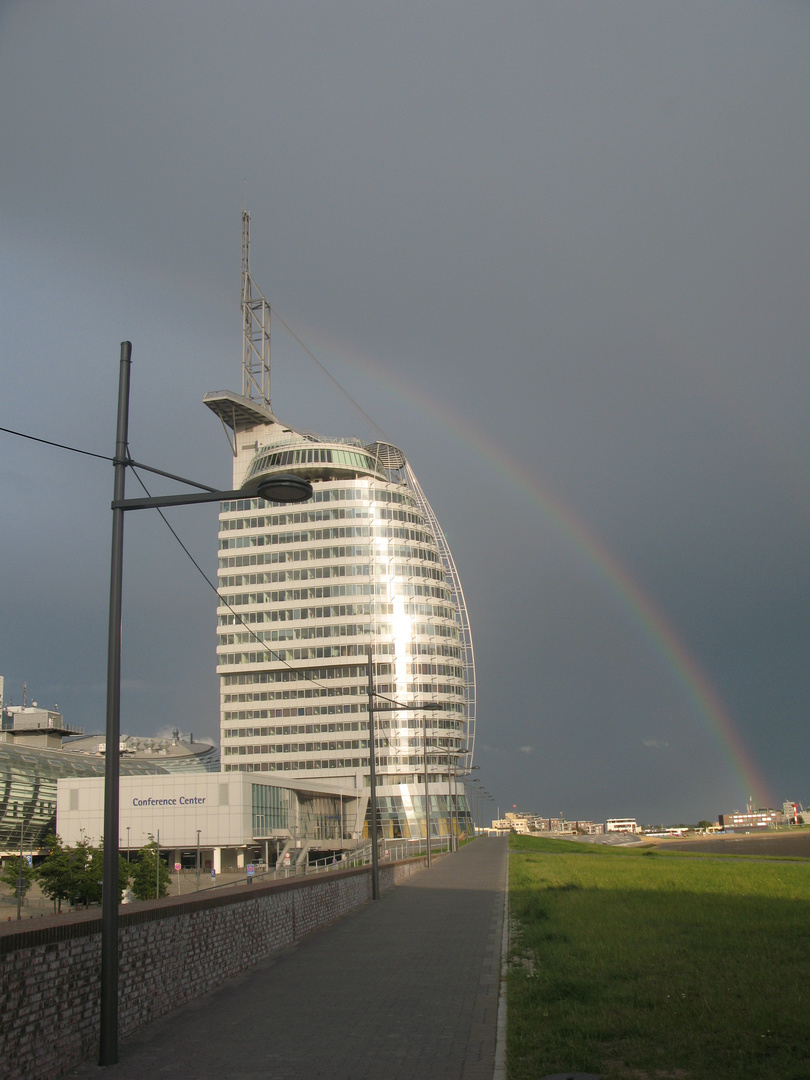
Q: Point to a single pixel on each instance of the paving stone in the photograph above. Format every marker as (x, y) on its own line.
(405, 987)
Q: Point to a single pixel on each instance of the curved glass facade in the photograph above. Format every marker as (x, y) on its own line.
(28, 791)
(304, 591)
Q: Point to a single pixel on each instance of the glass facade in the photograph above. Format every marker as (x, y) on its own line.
(305, 590)
(403, 817)
(319, 816)
(271, 809)
(28, 790)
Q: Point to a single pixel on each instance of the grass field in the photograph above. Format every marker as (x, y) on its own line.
(633, 963)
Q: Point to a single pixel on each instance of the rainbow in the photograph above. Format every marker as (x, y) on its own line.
(654, 625)
(655, 628)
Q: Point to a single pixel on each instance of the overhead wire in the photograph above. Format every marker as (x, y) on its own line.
(106, 457)
(326, 372)
(61, 446)
(386, 739)
(240, 620)
(214, 588)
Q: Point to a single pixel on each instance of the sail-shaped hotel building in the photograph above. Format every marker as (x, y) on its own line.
(306, 590)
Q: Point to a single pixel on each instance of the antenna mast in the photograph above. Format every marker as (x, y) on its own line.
(255, 330)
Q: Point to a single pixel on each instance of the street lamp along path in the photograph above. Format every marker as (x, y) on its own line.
(276, 488)
(413, 707)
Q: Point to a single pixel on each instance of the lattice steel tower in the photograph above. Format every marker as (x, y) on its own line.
(255, 330)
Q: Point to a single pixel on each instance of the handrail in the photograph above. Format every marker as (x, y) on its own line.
(389, 851)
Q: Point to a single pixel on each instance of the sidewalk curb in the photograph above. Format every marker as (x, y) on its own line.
(499, 1072)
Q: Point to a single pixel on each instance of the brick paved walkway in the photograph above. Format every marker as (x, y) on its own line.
(405, 988)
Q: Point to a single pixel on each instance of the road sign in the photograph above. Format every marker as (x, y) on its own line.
(213, 873)
(251, 869)
(177, 866)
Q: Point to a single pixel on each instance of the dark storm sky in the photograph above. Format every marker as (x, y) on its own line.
(557, 251)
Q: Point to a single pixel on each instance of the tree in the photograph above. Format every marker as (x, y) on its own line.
(75, 874)
(93, 875)
(86, 884)
(150, 873)
(55, 874)
(14, 869)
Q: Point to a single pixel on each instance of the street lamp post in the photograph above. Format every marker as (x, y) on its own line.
(20, 878)
(427, 789)
(455, 804)
(372, 758)
(479, 794)
(418, 706)
(277, 488)
(450, 802)
(487, 799)
(473, 768)
(198, 859)
(472, 804)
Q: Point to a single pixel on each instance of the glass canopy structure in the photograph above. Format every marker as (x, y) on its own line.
(28, 778)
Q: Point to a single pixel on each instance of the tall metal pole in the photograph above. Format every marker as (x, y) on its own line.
(198, 859)
(20, 873)
(108, 1048)
(375, 864)
(427, 790)
(450, 803)
(283, 488)
(455, 804)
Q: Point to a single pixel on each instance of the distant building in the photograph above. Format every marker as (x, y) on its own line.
(174, 754)
(28, 725)
(37, 748)
(622, 825)
(590, 828)
(531, 824)
(751, 819)
(793, 813)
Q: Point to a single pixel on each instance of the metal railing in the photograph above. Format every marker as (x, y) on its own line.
(389, 851)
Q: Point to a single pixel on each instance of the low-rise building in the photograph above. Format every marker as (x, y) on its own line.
(751, 819)
(531, 824)
(622, 825)
(234, 818)
(29, 725)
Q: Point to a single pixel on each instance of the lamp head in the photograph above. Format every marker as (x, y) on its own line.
(284, 488)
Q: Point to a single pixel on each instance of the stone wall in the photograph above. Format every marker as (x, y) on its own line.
(170, 951)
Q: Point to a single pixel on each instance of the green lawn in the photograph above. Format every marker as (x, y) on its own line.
(637, 964)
